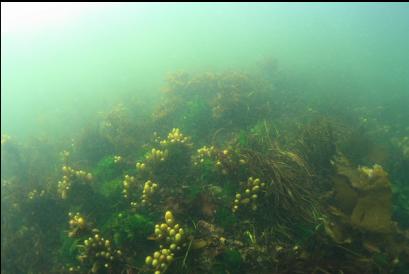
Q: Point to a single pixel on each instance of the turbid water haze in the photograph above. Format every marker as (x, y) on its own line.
(62, 63)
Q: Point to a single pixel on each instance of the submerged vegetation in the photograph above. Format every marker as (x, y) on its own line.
(230, 173)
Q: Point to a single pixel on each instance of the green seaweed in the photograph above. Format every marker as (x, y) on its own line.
(130, 228)
(69, 249)
(106, 169)
(229, 261)
(111, 189)
(225, 218)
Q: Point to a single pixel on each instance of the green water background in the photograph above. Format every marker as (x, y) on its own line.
(56, 78)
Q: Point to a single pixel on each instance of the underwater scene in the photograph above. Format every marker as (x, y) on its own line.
(219, 138)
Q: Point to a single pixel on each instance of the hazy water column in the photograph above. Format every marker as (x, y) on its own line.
(64, 62)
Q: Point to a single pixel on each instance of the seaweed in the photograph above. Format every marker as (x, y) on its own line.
(226, 175)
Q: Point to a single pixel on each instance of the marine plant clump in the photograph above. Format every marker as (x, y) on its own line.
(227, 162)
(78, 224)
(175, 137)
(127, 183)
(149, 189)
(204, 153)
(71, 176)
(130, 191)
(250, 195)
(214, 100)
(179, 148)
(118, 159)
(154, 160)
(140, 166)
(172, 238)
(156, 155)
(167, 162)
(97, 253)
(35, 194)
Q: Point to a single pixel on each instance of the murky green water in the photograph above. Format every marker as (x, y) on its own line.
(306, 103)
